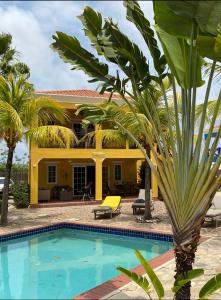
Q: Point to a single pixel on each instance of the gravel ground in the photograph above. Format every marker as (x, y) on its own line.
(30, 217)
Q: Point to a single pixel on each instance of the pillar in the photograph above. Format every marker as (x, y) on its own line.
(98, 178)
(34, 183)
(98, 137)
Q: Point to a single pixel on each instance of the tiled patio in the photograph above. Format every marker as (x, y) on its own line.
(208, 257)
(32, 217)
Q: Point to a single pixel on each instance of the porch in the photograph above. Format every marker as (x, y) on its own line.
(65, 181)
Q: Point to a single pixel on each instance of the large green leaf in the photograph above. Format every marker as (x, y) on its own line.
(176, 17)
(210, 287)
(153, 277)
(139, 280)
(70, 50)
(209, 46)
(136, 16)
(92, 22)
(177, 52)
(207, 14)
(166, 19)
(182, 279)
(115, 46)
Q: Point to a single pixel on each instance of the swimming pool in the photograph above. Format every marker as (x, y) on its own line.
(65, 262)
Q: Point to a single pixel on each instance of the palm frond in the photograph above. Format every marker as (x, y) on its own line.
(110, 138)
(9, 118)
(207, 69)
(52, 135)
(43, 109)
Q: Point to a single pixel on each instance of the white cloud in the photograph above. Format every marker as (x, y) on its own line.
(33, 23)
(32, 31)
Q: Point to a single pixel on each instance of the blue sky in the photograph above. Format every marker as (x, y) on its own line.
(32, 24)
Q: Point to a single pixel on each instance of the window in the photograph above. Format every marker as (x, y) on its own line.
(52, 174)
(117, 172)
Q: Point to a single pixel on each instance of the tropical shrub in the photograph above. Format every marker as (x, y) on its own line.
(154, 282)
(21, 194)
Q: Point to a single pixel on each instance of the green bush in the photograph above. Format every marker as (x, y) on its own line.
(21, 194)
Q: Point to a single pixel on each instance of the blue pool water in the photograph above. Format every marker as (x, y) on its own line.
(64, 263)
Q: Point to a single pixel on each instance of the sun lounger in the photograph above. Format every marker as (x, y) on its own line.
(139, 203)
(214, 213)
(110, 206)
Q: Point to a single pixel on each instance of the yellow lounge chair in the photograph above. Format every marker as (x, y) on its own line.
(110, 205)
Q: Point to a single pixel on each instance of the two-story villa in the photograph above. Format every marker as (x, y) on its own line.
(62, 173)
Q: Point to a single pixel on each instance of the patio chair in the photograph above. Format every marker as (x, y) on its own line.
(214, 212)
(110, 206)
(139, 203)
(86, 193)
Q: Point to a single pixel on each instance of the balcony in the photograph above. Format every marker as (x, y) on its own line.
(94, 143)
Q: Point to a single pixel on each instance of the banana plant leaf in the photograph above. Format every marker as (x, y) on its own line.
(207, 14)
(175, 17)
(150, 272)
(210, 47)
(116, 47)
(138, 279)
(70, 50)
(136, 16)
(210, 287)
(182, 279)
(177, 52)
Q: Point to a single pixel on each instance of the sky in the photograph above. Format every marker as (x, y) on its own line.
(32, 24)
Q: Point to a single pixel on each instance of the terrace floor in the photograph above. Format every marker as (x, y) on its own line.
(208, 257)
(32, 217)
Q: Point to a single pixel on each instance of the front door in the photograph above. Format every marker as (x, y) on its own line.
(79, 180)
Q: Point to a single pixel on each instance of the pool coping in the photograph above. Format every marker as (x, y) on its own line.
(119, 281)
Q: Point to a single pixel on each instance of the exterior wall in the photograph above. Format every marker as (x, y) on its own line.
(65, 167)
(129, 170)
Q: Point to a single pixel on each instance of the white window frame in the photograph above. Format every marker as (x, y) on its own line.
(74, 165)
(121, 173)
(56, 173)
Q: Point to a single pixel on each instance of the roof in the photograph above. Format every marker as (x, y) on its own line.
(78, 93)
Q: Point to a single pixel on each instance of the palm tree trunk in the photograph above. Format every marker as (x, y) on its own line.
(4, 208)
(185, 257)
(147, 212)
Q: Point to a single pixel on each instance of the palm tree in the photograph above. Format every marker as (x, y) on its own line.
(8, 58)
(122, 121)
(188, 32)
(23, 115)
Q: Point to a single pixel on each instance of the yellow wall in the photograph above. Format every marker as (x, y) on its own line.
(39, 156)
(129, 172)
(64, 171)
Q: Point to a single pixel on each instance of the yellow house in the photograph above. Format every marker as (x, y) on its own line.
(63, 173)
